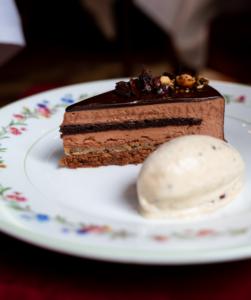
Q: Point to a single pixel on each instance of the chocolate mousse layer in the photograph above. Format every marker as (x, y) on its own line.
(119, 140)
(159, 112)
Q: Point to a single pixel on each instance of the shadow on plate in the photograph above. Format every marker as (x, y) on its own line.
(129, 196)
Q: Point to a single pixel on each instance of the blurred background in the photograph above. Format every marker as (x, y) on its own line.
(67, 42)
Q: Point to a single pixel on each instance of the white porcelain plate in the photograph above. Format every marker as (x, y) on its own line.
(93, 212)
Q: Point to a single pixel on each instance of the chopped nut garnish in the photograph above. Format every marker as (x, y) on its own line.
(165, 80)
(185, 81)
(202, 80)
(168, 84)
(171, 84)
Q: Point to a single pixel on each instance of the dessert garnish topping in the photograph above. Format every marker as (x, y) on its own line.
(134, 87)
(123, 89)
(165, 85)
(185, 81)
(165, 80)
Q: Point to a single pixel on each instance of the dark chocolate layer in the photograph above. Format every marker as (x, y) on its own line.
(88, 128)
(113, 100)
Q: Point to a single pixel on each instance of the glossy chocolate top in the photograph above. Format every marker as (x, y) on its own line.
(113, 100)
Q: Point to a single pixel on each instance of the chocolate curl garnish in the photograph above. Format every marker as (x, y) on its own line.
(134, 87)
(123, 89)
(165, 90)
(146, 77)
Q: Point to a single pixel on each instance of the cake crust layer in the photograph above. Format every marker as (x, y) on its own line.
(105, 159)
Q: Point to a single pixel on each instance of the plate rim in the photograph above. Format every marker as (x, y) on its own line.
(117, 254)
(136, 256)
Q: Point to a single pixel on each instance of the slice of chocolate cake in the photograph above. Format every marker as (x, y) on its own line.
(125, 125)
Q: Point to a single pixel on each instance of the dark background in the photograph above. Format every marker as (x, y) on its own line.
(31, 273)
(64, 46)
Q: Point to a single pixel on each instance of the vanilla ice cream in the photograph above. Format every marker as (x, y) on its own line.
(189, 176)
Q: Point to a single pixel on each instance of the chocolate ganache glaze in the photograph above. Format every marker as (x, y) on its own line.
(146, 90)
(112, 100)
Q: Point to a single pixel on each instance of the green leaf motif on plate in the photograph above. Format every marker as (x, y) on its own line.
(43, 110)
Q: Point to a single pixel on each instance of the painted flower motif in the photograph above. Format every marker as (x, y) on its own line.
(240, 99)
(15, 131)
(81, 231)
(97, 229)
(67, 98)
(43, 111)
(46, 101)
(16, 197)
(93, 229)
(161, 238)
(24, 129)
(19, 117)
(205, 232)
(3, 166)
(42, 218)
(26, 217)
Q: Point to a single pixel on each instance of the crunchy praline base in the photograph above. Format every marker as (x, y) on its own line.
(91, 160)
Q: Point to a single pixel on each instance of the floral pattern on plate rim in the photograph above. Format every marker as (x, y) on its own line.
(15, 199)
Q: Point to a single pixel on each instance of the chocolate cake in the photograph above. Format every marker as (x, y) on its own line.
(125, 125)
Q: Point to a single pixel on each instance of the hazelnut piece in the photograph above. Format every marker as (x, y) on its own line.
(185, 81)
(203, 80)
(165, 80)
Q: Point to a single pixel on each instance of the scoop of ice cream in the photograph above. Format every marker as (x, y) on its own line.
(189, 176)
